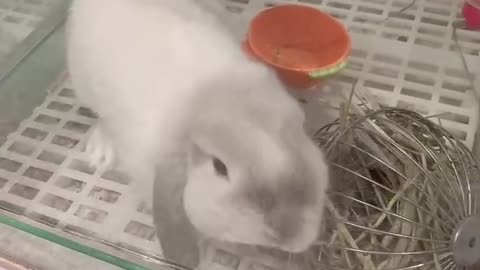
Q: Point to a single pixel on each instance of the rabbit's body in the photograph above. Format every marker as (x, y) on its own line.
(167, 77)
(121, 53)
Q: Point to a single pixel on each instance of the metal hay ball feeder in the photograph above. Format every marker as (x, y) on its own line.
(404, 195)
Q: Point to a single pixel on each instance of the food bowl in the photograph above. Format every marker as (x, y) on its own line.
(303, 44)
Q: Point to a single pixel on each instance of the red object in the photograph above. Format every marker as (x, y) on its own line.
(472, 16)
(297, 41)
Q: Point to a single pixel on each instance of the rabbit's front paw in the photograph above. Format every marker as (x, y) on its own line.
(100, 151)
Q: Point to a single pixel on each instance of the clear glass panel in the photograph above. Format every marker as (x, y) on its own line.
(19, 18)
(43, 254)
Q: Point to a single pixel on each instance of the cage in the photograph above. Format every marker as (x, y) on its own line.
(62, 214)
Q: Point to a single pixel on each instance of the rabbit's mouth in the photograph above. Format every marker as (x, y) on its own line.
(297, 246)
(296, 243)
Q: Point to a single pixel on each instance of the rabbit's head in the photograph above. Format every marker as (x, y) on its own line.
(254, 175)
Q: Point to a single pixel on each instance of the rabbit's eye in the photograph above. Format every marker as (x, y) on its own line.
(220, 167)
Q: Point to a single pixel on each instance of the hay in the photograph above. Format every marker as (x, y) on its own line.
(400, 186)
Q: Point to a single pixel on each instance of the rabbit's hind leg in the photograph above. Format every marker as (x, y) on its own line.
(99, 150)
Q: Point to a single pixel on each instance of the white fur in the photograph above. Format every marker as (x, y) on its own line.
(121, 51)
(168, 77)
(100, 150)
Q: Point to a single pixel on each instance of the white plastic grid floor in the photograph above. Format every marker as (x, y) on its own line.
(44, 175)
(426, 23)
(409, 60)
(18, 18)
(43, 172)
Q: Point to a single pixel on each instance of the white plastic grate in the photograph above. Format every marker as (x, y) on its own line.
(44, 175)
(412, 80)
(426, 23)
(409, 60)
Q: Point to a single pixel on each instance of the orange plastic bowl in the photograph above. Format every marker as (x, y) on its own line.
(303, 44)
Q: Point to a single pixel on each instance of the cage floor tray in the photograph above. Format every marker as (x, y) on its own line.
(44, 175)
(409, 60)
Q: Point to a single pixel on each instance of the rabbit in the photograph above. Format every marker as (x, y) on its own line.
(167, 78)
(180, 241)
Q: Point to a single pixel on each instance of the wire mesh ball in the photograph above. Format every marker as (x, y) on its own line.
(402, 195)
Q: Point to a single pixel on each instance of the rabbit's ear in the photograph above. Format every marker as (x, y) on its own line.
(219, 140)
(243, 145)
(178, 236)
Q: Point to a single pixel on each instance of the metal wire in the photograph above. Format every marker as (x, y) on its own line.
(402, 185)
(448, 217)
(459, 50)
(402, 10)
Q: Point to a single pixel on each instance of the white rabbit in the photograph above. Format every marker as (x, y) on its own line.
(167, 77)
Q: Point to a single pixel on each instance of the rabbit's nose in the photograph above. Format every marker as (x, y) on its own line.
(293, 231)
(285, 227)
